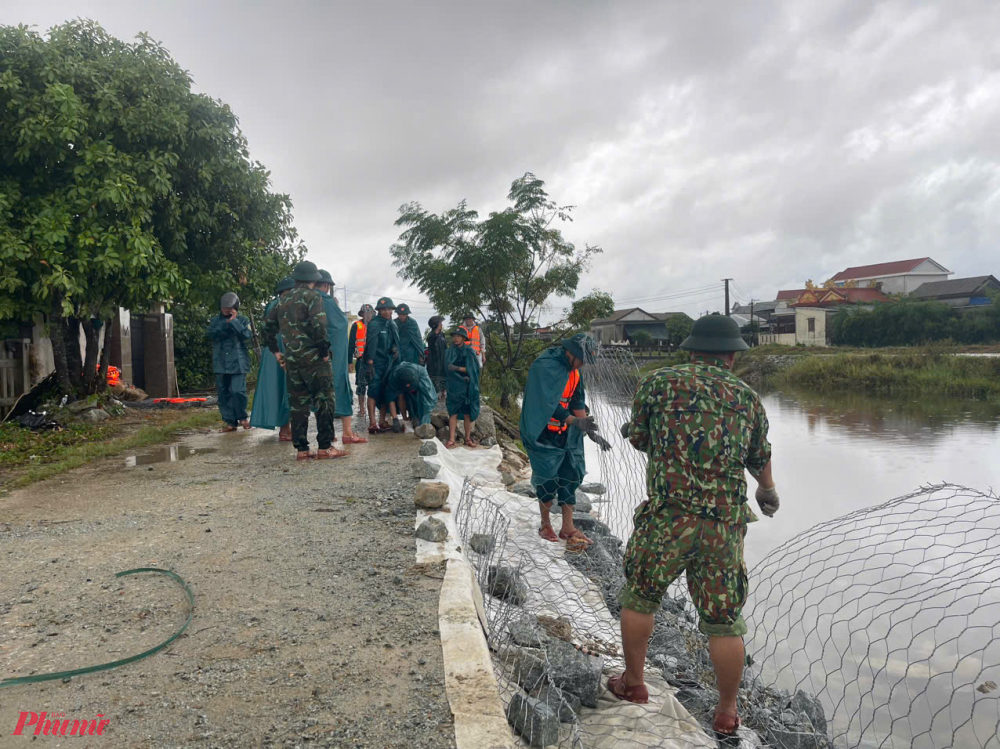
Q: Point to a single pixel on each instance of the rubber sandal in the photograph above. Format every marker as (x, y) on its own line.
(548, 533)
(577, 535)
(354, 440)
(227, 428)
(245, 423)
(450, 445)
(726, 723)
(305, 455)
(576, 546)
(374, 429)
(283, 438)
(329, 453)
(471, 443)
(637, 694)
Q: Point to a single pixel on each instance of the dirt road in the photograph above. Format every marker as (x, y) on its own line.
(311, 625)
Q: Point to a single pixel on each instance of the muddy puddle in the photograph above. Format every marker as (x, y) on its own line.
(166, 454)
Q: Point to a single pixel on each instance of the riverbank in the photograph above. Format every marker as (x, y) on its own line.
(940, 371)
(312, 623)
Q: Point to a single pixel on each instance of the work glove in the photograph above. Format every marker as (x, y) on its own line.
(623, 430)
(599, 441)
(466, 378)
(397, 425)
(768, 500)
(585, 424)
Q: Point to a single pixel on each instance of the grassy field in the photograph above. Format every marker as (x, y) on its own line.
(934, 371)
(26, 456)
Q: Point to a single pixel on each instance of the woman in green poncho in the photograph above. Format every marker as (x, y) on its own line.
(554, 418)
(336, 322)
(411, 345)
(462, 385)
(270, 408)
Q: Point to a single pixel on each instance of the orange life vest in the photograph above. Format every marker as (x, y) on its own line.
(567, 395)
(475, 341)
(359, 340)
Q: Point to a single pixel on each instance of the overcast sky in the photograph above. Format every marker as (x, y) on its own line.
(769, 142)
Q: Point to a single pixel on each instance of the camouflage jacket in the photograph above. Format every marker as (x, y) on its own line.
(700, 425)
(301, 320)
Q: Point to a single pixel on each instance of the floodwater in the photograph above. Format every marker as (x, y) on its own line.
(892, 618)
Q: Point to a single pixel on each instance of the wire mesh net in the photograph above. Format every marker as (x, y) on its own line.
(875, 629)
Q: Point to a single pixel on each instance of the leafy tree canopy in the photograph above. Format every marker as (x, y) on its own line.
(504, 268)
(120, 186)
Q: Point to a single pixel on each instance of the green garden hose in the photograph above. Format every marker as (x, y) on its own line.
(114, 664)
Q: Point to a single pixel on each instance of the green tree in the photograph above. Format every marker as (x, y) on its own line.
(505, 267)
(642, 338)
(120, 186)
(678, 328)
(597, 305)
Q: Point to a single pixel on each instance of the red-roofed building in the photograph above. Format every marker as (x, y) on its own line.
(897, 277)
(801, 315)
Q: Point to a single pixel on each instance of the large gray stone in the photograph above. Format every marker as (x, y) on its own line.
(527, 632)
(524, 488)
(526, 667)
(574, 672)
(443, 434)
(439, 419)
(506, 584)
(508, 478)
(485, 427)
(566, 705)
(426, 432)
(699, 702)
(594, 488)
(432, 530)
(431, 495)
(96, 414)
(591, 525)
(482, 543)
(791, 738)
(806, 703)
(421, 469)
(428, 448)
(583, 503)
(534, 721)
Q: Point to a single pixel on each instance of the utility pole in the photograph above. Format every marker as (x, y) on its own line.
(726, 282)
(753, 332)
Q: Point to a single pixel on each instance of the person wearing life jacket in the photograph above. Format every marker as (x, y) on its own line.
(554, 419)
(356, 349)
(476, 341)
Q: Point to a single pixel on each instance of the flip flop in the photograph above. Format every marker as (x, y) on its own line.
(577, 535)
(450, 445)
(329, 453)
(726, 722)
(471, 443)
(354, 440)
(245, 423)
(227, 428)
(548, 533)
(305, 455)
(283, 438)
(637, 694)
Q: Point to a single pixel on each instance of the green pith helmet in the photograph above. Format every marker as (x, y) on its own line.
(469, 316)
(365, 308)
(582, 346)
(229, 300)
(715, 334)
(306, 271)
(462, 331)
(327, 278)
(403, 309)
(284, 284)
(384, 303)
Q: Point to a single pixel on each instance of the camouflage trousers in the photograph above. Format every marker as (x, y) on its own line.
(311, 389)
(668, 541)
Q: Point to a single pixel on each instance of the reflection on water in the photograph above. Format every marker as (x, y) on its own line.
(166, 454)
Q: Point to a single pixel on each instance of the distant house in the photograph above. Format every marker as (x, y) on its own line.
(959, 292)
(624, 324)
(897, 277)
(801, 315)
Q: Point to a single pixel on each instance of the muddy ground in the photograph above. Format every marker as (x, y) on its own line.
(311, 627)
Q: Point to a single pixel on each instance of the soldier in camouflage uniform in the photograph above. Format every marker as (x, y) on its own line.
(301, 320)
(701, 427)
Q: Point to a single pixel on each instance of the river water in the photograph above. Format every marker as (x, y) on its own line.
(894, 648)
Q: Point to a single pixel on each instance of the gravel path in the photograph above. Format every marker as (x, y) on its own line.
(312, 625)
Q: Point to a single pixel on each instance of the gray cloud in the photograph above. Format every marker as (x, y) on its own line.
(770, 142)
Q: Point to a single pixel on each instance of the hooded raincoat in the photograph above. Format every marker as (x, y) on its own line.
(412, 382)
(382, 347)
(270, 398)
(411, 345)
(557, 458)
(463, 397)
(336, 325)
